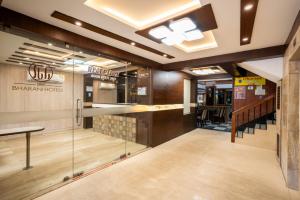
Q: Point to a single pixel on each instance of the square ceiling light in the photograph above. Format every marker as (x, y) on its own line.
(181, 30)
(193, 35)
(183, 25)
(173, 38)
(160, 32)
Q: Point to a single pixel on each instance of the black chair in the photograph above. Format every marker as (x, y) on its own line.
(201, 119)
(219, 116)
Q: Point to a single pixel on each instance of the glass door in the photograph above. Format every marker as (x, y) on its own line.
(36, 114)
(99, 137)
(108, 130)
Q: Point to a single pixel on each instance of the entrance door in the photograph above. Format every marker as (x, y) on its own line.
(106, 130)
(37, 91)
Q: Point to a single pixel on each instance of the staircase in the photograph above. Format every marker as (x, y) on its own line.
(264, 139)
(252, 117)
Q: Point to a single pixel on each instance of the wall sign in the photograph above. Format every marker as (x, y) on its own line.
(260, 91)
(40, 72)
(44, 75)
(102, 74)
(250, 80)
(142, 91)
(240, 92)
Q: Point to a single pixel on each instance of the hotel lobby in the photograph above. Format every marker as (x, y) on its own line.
(136, 99)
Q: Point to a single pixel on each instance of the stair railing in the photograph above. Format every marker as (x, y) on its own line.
(251, 112)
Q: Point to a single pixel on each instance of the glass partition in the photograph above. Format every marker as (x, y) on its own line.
(36, 115)
(108, 133)
(65, 111)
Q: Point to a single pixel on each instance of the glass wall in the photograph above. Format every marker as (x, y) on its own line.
(63, 112)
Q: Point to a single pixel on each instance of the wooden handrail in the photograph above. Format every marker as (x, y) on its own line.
(248, 108)
(254, 104)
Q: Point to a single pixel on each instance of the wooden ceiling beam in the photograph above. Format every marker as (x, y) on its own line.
(264, 53)
(248, 13)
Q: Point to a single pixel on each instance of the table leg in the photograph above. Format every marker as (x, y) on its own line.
(27, 151)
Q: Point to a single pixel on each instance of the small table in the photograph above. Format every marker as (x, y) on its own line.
(28, 131)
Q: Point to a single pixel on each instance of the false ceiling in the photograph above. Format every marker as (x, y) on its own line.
(272, 25)
(141, 14)
(23, 52)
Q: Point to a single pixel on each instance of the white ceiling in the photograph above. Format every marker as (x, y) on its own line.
(262, 68)
(273, 23)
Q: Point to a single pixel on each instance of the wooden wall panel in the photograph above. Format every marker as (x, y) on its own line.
(168, 89)
(170, 124)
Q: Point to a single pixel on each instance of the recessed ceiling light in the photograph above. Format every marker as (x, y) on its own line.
(245, 39)
(53, 63)
(132, 43)
(183, 25)
(248, 7)
(204, 71)
(160, 32)
(20, 63)
(193, 35)
(78, 23)
(80, 51)
(27, 58)
(173, 38)
(50, 44)
(165, 55)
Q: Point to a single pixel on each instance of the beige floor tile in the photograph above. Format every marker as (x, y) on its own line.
(202, 164)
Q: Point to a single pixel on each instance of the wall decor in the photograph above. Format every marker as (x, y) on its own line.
(240, 92)
(260, 91)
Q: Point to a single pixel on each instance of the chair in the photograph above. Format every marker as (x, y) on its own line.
(201, 119)
(219, 116)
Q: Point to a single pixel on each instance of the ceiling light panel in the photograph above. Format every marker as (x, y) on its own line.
(193, 35)
(160, 32)
(178, 31)
(208, 70)
(183, 25)
(173, 38)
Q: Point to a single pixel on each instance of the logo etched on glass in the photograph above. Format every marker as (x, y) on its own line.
(40, 72)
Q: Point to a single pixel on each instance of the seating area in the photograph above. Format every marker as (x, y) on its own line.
(211, 117)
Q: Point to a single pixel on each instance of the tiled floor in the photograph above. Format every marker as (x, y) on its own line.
(200, 165)
(51, 158)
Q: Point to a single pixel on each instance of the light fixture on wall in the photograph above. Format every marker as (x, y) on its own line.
(178, 31)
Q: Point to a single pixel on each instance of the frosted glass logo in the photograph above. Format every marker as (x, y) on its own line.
(40, 72)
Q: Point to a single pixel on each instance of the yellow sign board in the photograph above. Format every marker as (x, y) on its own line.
(250, 80)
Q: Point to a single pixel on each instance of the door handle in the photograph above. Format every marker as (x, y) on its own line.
(79, 112)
